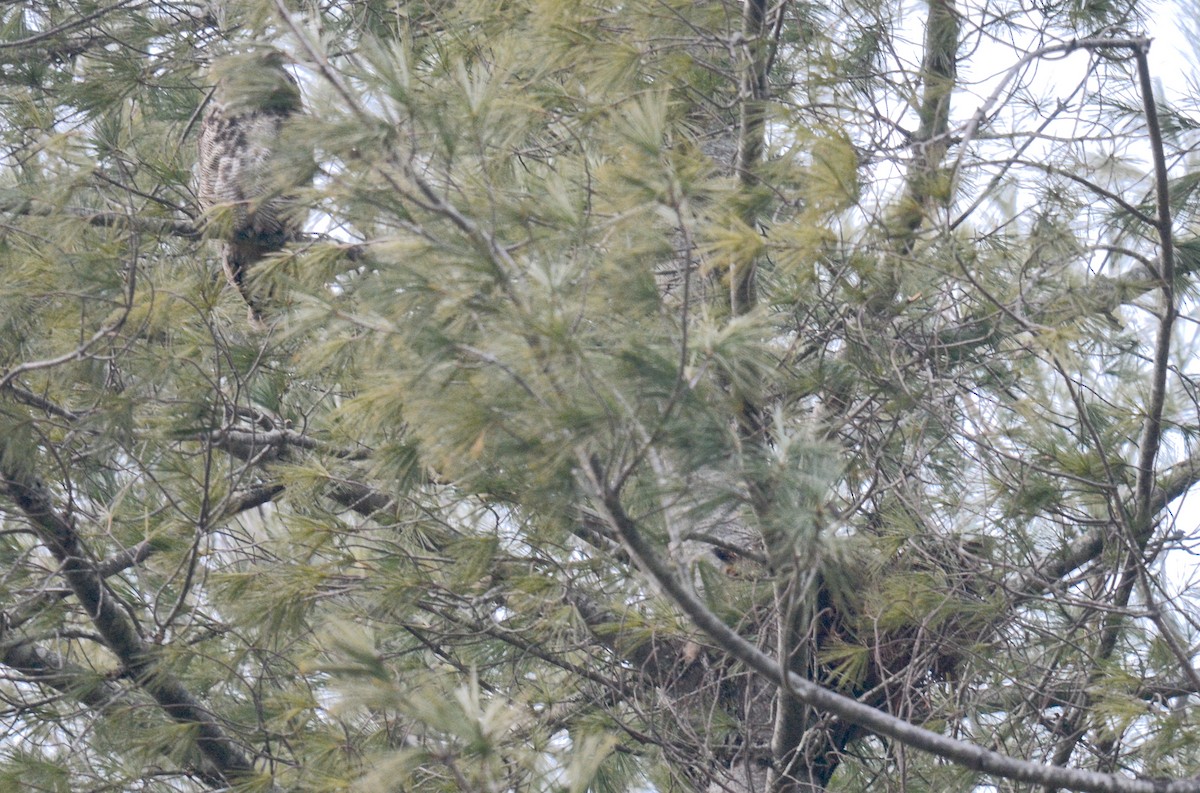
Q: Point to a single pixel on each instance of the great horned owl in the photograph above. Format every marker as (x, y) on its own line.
(240, 173)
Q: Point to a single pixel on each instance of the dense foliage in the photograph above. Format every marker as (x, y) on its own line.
(637, 358)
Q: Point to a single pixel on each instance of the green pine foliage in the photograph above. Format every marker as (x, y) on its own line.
(375, 545)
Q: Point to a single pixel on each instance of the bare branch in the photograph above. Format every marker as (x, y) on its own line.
(1151, 437)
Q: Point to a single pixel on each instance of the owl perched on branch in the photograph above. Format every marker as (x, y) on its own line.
(245, 176)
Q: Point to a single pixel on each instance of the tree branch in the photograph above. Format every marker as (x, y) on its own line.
(84, 686)
(117, 628)
(967, 755)
(1151, 437)
(1059, 564)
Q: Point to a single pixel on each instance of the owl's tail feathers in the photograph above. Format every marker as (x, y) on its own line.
(238, 258)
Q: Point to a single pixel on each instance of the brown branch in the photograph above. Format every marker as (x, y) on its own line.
(47, 668)
(82, 350)
(665, 661)
(1151, 437)
(273, 444)
(1149, 499)
(924, 178)
(1055, 566)
(101, 696)
(1061, 49)
(66, 27)
(31, 399)
(119, 220)
(57, 50)
(967, 755)
(106, 569)
(29, 207)
(59, 535)
(135, 555)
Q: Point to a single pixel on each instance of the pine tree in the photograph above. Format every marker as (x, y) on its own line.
(673, 396)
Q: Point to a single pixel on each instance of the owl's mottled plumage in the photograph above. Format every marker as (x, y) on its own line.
(239, 163)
